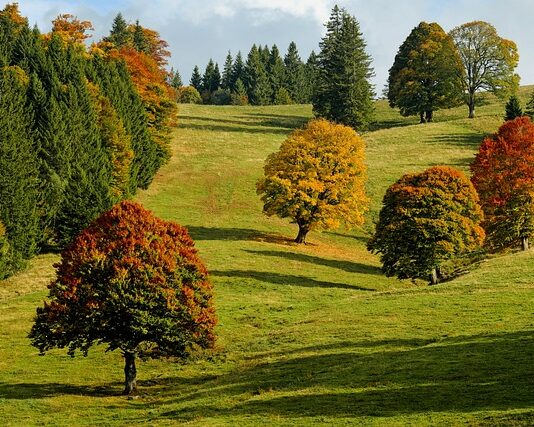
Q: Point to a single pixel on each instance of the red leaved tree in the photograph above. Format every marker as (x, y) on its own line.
(503, 174)
(131, 281)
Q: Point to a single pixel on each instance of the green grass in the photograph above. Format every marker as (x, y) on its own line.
(311, 335)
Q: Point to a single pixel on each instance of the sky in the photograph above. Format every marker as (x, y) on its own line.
(198, 30)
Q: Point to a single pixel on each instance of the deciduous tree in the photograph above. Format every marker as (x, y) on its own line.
(426, 219)
(317, 178)
(426, 74)
(488, 59)
(134, 283)
(503, 174)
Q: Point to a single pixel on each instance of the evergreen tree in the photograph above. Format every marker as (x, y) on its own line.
(256, 79)
(513, 108)
(119, 34)
(139, 39)
(238, 71)
(196, 79)
(311, 73)
(294, 73)
(175, 80)
(265, 55)
(276, 72)
(19, 186)
(344, 93)
(226, 81)
(529, 109)
(239, 96)
(212, 77)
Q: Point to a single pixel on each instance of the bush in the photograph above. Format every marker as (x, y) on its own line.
(237, 99)
(131, 281)
(221, 97)
(188, 95)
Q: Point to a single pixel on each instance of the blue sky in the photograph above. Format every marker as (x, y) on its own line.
(197, 30)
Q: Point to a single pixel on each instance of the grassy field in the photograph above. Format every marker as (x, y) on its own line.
(311, 335)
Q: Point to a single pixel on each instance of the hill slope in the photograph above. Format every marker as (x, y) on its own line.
(307, 335)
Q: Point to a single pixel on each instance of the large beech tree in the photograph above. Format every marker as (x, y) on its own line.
(488, 59)
(426, 74)
(427, 218)
(317, 178)
(503, 174)
(131, 281)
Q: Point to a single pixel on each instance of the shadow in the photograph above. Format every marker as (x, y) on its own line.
(215, 233)
(461, 374)
(389, 124)
(40, 391)
(470, 140)
(280, 121)
(348, 266)
(359, 238)
(238, 129)
(285, 279)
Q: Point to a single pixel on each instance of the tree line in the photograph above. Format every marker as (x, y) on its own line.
(80, 129)
(264, 78)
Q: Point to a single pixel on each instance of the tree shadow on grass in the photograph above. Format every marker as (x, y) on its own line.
(286, 279)
(348, 266)
(24, 391)
(463, 374)
(279, 120)
(246, 128)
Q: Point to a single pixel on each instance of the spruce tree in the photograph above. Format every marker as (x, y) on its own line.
(139, 39)
(196, 79)
(119, 34)
(19, 175)
(344, 93)
(256, 79)
(529, 109)
(175, 80)
(226, 80)
(311, 72)
(294, 73)
(276, 72)
(513, 108)
(238, 71)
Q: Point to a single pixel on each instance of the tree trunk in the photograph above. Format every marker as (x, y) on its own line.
(422, 117)
(130, 373)
(471, 105)
(429, 116)
(524, 243)
(301, 237)
(434, 280)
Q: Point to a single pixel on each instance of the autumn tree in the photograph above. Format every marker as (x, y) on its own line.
(71, 29)
(512, 108)
(503, 174)
(317, 178)
(488, 59)
(426, 219)
(426, 74)
(343, 91)
(133, 282)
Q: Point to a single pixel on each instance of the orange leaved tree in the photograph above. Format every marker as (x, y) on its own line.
(133, 282)
(317, 178)
(426, 219)
(503, 174)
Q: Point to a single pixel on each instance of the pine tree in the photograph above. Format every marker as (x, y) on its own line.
(276, 72)
(344, 93)
(226, 81)
(238, 71)
(175, 80)
(256, 79)
(196, 79)
(294, 73)
(119, 34)
(311, 72)
(513, 108)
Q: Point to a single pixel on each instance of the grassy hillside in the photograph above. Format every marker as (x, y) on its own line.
(311, 335)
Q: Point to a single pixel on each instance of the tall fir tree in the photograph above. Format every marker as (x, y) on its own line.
(196, 79)
(294, 73)
(175, 79)
(226, 80)
(256, 79)
(119, 34)
(238, 71)
(139, 39)
(311, 72)
(212, 78)
(276, 72)
(344, 93)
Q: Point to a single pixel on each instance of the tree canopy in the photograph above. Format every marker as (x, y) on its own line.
(489, 61)
(426, 219)
(317, 178)
(426, 74)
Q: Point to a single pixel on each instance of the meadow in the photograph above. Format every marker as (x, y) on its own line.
(308, 334)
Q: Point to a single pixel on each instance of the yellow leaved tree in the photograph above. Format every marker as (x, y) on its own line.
(317, 178)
